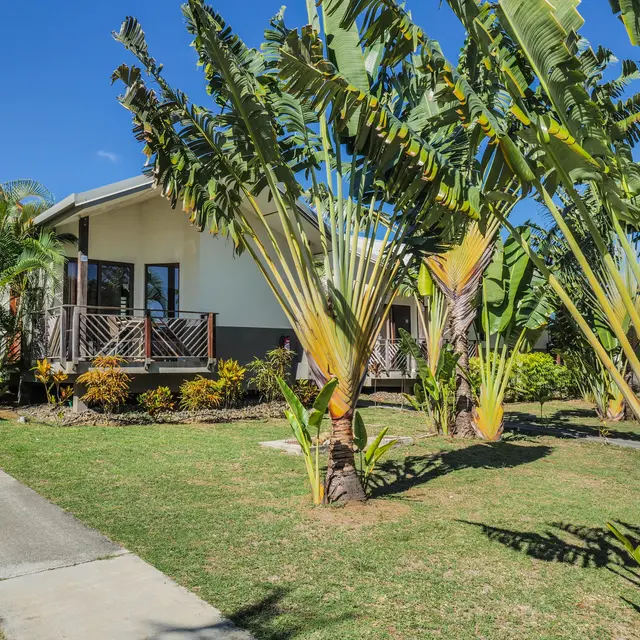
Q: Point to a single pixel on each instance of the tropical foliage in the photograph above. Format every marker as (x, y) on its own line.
(266, 371)
(157, 401)
(303, 424)
(369, 454)
(200, 394)
(31, 262)
(316, 115)
(231, 381)
(106, 383)
(52, 381)
(572, 127)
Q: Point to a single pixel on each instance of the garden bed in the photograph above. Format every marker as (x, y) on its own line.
(129, 416)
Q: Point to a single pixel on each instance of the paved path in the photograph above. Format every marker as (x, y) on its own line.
(62, 580)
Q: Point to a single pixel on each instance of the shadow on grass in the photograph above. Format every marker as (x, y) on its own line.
(565, 420)
(266, 619)
(594, 546)
(396, 476)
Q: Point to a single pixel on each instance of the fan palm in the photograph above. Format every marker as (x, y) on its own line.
(312, 120)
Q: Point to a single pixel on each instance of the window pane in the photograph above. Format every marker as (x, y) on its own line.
(162, 289)
(115, 286)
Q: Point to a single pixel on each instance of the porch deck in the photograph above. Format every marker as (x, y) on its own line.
(71, 336)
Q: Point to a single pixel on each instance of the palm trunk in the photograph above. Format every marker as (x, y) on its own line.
(342, 483)
(463, 427)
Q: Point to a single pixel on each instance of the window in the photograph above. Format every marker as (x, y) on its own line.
(109, 284)
(162, 289)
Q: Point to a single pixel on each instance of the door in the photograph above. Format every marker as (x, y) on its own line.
(109, 284)
(400, 319)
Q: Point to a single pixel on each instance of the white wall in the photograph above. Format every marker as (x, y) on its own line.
(211, 278)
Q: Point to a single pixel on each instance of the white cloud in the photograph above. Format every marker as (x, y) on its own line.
(112, 157)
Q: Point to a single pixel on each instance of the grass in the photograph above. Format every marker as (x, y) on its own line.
(574, 414)
(463, 539)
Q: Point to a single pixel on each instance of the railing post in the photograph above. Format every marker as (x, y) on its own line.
(75, 336)
(148, 328)
(387, 356)
(211, 339)
(63, 337)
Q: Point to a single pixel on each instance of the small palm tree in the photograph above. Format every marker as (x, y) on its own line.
(31, 259)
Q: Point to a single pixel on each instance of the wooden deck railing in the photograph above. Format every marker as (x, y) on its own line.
(69, 333)
(388, 356)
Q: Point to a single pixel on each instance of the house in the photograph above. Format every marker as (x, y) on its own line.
(145, 285)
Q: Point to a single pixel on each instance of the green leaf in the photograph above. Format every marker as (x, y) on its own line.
(359, 432)
(297, 408)
(625, 541)
(425, 281)
(372, 448)
(299, 431)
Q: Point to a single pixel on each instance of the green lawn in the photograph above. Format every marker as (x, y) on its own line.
(575, 414)
(463, 540)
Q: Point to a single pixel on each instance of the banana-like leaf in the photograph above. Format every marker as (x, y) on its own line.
(359, 432)
(300, 432)
(373, 447)
(629, 12)
(297, 408)
(425, 281)
(322, 402)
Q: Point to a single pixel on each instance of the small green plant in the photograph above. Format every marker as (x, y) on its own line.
(307, 391)
(107, 384)
(434, 394)
(266, 371)
(302, 422)
(370, 455)
(157, 401)
(231, 379)
(538, 377)
(634, 552)
(200, 393)
(52, 381)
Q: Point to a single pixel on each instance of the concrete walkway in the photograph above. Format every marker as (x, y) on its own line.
(62, 580)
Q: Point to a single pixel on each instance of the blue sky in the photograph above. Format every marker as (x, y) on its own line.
(62, 123)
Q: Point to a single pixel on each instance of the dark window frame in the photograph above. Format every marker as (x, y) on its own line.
(172, 285)
(99, 264)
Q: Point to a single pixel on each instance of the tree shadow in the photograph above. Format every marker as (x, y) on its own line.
(267, 619)
(594, 546)
(563, 420)
(396, 476)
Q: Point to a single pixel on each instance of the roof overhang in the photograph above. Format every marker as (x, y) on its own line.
(77, 202)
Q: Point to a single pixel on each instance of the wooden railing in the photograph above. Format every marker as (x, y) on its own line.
(387, 356)
(69, 333)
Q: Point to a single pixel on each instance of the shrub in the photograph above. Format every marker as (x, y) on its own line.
(200, 393)
(107, 384)
(52, 382)
(265, 372)
(156, 401)
(534, 375)
(230, 379)
(307, 391)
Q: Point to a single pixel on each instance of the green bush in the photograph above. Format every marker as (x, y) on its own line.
(266, 371)
(307, 391)
(535, 376)
(156, 401)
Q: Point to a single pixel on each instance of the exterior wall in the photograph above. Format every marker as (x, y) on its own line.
(212, 278)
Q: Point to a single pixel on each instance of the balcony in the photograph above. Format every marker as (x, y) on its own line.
(70, 335)
(388, 360)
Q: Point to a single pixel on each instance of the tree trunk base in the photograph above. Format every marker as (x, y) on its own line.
(342, 483)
